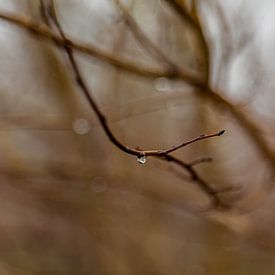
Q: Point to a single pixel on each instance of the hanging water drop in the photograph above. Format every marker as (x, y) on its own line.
(141, 159)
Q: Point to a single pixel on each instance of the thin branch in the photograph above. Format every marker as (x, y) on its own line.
(199, 161)
(202, 184)
(195, 22)
(141, 37)
(86, 92)
(44, 12)
(147, 43)
(250, 127)
(182, 12)
(42, 30)
(162, 154)
(174, 148)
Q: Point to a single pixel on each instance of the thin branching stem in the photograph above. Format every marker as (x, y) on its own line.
(216, 202)
(162, 154)
(199, 161)
(148, 44)
(251, 128)
(100, 115)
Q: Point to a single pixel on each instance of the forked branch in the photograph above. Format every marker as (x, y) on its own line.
(161, 154)
(87, 93)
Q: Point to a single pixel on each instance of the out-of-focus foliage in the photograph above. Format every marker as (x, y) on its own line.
(72, 203)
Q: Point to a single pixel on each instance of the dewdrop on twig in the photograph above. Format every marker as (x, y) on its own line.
(141, 159)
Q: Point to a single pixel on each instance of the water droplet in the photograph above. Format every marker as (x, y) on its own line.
(99, 184)
(203, 135)
(81, 126)
(141, 159)
(162, 84)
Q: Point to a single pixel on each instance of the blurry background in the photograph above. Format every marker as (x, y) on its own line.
(72, 203)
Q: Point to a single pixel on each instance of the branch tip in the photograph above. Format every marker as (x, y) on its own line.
(221, 132)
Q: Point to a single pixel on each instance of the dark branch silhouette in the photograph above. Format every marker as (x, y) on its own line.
(50, 12)
(251, 128)
(87, 93)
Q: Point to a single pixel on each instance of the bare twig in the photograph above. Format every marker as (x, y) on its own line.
(216, 202)
(199, 161)
(44, 12)
(141, 37)
(183, 13)
(44, 31)
(249, 126)
(86, 92)
(252, 129)
(195, 22)
(147, 43)
(162, 154)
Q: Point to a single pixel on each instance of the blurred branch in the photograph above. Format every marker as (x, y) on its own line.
(199, 161)
(43, 31)
(147, 43)
(252, 129)
(44, 12)
(231, 46)
(141, 37)
(195, 22)
(202, 184)
(182, 12)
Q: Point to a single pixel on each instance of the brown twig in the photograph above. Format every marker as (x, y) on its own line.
(249, 126)
(195, 22)
(252, 129)
(182, 12)
(86, 92)
(216, 202)
(42, 30)
(125, 65)
(44, 12)
(147, 43)
(199, 161)
(162, 154)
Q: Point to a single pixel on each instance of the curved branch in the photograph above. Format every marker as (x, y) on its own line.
(250, 127)
(42, 30)
(86, 92)
(216, 202)
(148, 44)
